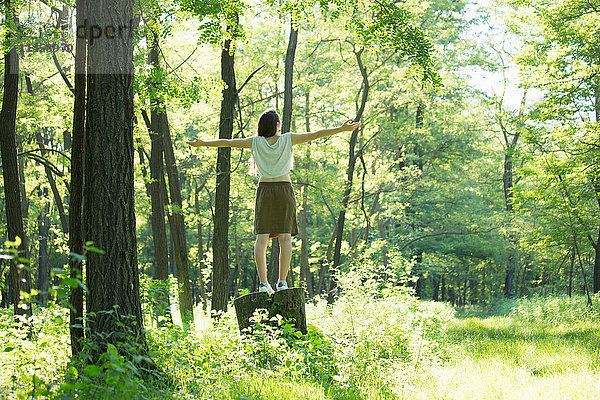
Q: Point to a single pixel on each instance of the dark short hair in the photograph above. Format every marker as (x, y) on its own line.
(267, 123)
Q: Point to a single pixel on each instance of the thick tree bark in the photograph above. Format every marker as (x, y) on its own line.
(157, 218)
(350, 176)
(12, 193)
(76, 227)
(289, 304)
(113, 302)
(221, 221)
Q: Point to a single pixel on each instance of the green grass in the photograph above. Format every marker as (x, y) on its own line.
(517, 356)
(387, 347)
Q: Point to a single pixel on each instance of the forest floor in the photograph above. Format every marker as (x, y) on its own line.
(503, 357)
(364, 347)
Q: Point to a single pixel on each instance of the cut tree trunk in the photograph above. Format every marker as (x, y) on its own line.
(287, 303)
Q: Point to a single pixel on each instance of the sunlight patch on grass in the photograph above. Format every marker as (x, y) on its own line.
(266, 388)
(495, 379)
(507, 358)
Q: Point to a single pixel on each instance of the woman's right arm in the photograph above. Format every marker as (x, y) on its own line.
(347, 126)
(245, 143)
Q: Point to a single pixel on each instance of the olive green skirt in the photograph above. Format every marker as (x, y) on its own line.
(275, 209)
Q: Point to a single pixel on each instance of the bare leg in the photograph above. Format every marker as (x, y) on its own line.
(260, 256)
(285, 254)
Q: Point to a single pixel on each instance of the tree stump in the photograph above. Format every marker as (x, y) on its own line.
(288, 303)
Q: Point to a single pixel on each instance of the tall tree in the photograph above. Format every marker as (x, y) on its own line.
(177, 222)
(220, 293)
(286, 123)
(561, 59)
(364, 95)
(76, 227)
(159, 231)
(12, 193)
(113, 300)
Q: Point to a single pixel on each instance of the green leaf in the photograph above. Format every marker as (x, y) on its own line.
(72, 282)
(112, 350)
(94, 249)
(92, 370)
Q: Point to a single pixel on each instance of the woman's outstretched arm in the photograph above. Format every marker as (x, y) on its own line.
(245, 143)
(347, 126)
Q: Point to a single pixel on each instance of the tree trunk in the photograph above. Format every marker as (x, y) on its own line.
(177, 225)
(350, 176)
(596, 276)
(305, 275)
(10, 173)
(289, 76)
(570, 288)
(286, 123)
(508, 183)
(24, 199)
(324, 264)
(273, 267)
(201, 283)
(221, 222)
(287, 303)
(76, 227)
(42, 141)
(436, 288)
(444, 292)
(157, 217)
(511, 263)
(113, 302)
(382, 232)
(43, 229)
(237, 276)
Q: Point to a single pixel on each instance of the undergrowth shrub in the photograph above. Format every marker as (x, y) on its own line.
(551, 309)
(555, 309)
(30, 357)
(379, 331)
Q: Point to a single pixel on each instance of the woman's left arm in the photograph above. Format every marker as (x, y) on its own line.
(245, 143)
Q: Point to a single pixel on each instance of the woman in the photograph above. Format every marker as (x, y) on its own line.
(275, 204)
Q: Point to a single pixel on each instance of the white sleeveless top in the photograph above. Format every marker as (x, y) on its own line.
(273, 160)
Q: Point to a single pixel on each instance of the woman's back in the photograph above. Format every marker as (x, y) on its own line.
(273, 155)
